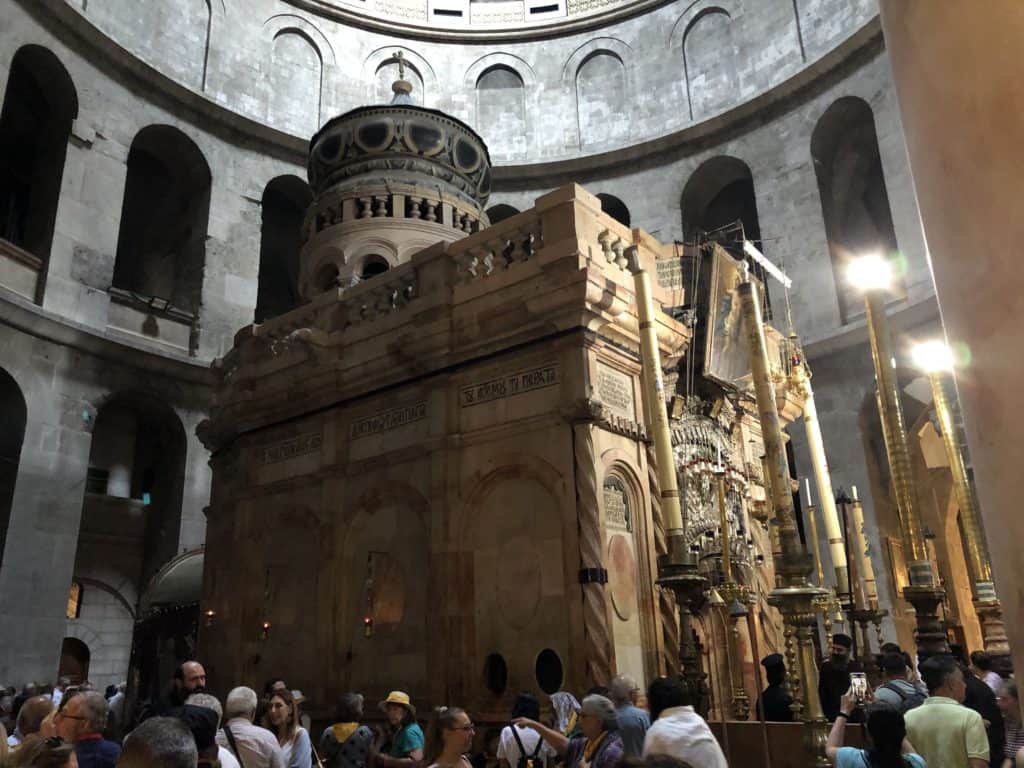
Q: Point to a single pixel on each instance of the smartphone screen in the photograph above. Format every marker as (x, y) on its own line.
(859, 685)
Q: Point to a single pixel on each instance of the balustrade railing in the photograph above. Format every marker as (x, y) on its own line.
(497, 248)
(394, 204)
(379, 296)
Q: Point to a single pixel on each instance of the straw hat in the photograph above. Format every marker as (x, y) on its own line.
(398, 697)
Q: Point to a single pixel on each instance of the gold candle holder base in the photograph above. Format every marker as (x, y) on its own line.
(678, 571)
(931, 630)
(798, 606)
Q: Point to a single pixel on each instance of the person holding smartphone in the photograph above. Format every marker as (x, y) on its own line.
(886, 734)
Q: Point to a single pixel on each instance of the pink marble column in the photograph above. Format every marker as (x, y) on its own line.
(958, 67)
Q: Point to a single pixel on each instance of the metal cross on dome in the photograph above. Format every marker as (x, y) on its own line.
(400, 58)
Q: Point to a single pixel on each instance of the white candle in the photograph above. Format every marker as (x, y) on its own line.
(854, 488)
(719, 456)
(807, 485)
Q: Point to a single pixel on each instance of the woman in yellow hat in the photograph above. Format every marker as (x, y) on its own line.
(403, 748)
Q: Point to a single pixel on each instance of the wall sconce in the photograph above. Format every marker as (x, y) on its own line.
(368, 626)
(210, 616)
(265, 631)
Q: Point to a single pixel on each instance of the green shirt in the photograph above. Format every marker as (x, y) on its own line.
(946, 733)
(408, 739)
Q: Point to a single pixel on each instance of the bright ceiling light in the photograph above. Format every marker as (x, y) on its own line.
(870, 272)
(933, 356)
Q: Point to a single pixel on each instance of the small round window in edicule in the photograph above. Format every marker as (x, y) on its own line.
(549, 671)
(495, 673)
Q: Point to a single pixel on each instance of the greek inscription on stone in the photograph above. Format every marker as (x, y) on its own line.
(292, 448)
(670, 273)
(388, 420)
(615, 391)
(508, 386)
(616, 506)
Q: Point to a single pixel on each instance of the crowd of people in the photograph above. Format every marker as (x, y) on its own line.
(949, 716)
(79, 727)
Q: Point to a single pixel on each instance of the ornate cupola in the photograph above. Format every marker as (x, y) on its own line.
(389, 181)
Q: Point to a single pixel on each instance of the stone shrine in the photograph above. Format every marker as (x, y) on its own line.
(434, 474)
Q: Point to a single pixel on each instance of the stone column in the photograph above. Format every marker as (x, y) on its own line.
(956, 68)
(593, 575)
(39, 554)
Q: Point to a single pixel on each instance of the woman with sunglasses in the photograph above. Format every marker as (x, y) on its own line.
(449, 738)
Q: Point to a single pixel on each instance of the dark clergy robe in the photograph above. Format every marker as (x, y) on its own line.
(833, 682)
(776, 700)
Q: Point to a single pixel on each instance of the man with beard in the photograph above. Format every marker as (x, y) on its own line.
(834, 675)
(189, 678)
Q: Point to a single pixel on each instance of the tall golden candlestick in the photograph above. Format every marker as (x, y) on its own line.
(677, 569)
(873, 273)
(795, 597)
(936, 360)
(654, 394)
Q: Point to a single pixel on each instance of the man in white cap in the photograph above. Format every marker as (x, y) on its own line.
(404, 747)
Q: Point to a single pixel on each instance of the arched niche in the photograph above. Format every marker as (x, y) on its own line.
(13, 415)
(161, 245)
(709, 62)
(854, 199)
(626, 559)
(388, 72)
(372, 265)
(285, 200)
(516, 569)
(134, 487)
(500, 212)
(384, 575)
(501, 110)
(40, 103)
(601, 89)
(74, 660)
(615, 208)
(719, 199)
(296, 82)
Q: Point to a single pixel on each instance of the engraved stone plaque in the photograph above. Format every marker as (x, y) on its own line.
(615, 391)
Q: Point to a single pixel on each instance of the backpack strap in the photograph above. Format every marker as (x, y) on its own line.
(522, 749)
(896, 689)
(234, 745)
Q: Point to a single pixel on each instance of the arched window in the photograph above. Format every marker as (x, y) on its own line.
(601, 98)
(75, 595)
(719, 199)
(161, 247)
(326, 278)
(285, 200)
(40, 104)
(614, 208)
(501, 111)
(712, 82)
(854, 200)
(13, 415)
(718, 203)
(500, 212)
(138, 442)
(372, 266)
